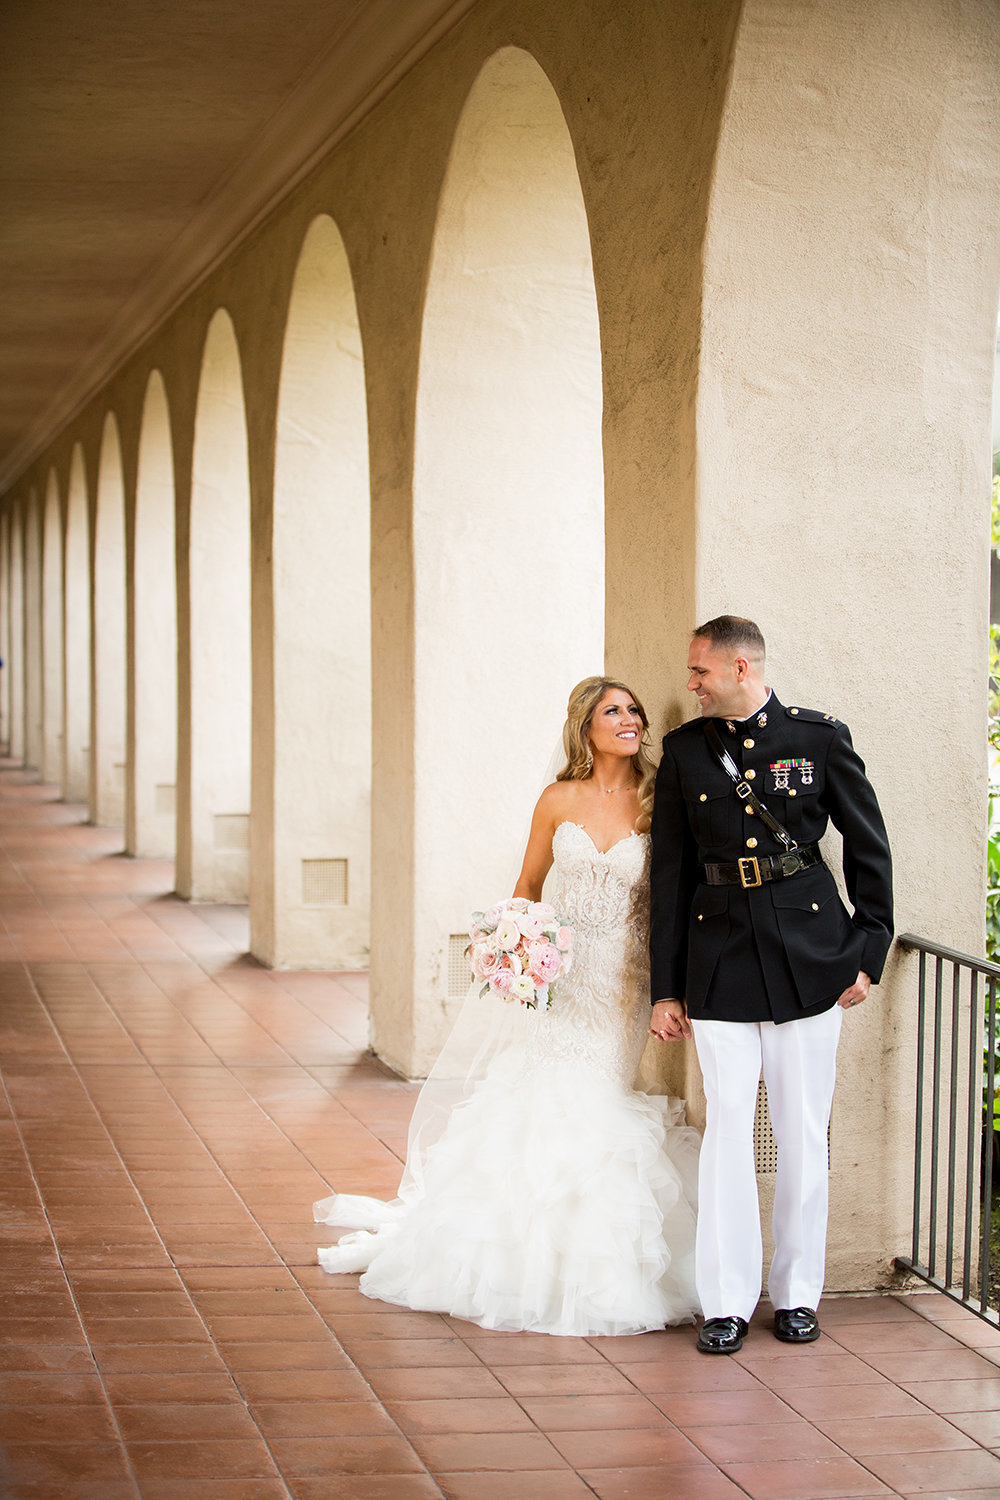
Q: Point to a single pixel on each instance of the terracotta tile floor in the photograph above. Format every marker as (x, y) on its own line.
(170, 1111)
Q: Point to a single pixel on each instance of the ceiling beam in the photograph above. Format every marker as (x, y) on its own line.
(380, 42)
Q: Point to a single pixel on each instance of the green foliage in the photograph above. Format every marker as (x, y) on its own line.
(993, 731)
(993, 820)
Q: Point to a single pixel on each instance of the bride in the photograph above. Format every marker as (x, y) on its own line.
(541, 1192)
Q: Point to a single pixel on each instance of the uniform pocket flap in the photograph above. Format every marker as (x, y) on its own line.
(809, 891)
(701, 792)
(710, 901)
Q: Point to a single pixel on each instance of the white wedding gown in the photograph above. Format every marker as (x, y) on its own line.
(556, 1198)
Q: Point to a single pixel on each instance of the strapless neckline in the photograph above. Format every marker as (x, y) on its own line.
(568, 823)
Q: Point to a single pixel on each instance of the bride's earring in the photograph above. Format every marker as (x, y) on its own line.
(589, 766)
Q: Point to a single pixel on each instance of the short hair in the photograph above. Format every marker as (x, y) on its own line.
(732, 633)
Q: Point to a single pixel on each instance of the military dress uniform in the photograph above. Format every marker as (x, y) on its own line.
(758, 943)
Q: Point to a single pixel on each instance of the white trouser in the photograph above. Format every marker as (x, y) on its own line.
(799, 1060)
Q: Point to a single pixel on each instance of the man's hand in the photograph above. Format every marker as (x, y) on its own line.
(669, 1020)
(857, 992)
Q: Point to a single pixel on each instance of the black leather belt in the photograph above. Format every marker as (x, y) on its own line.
(751, 871)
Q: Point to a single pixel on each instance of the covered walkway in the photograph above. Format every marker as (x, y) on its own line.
(169, 1111)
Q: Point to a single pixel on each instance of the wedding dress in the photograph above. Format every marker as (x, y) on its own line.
(555, 1199)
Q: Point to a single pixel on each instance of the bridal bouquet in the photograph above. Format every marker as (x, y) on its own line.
(519, 949)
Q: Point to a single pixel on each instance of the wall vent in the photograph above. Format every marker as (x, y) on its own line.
(765, 1147)
(165, 799)
(324, 882)
(232, 830)
(459, 973)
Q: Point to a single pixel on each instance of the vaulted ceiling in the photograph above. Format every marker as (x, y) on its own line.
(138, 141)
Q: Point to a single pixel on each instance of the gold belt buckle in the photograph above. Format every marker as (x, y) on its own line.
(749, 872)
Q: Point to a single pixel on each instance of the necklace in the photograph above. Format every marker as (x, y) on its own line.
(607, 790)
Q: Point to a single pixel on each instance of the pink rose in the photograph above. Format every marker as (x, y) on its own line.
(492, 917)
(484, 960)
(564, 940)
(530, 925)
(503, 981)
(544, 961)
(508, 934)
(543, 910)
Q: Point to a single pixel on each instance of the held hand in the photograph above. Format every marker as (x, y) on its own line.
(857, 992)
(669, 1020)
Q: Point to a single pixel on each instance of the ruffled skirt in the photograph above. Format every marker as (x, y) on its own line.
(557, 1202)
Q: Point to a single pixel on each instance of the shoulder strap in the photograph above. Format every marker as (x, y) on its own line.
(743, 788)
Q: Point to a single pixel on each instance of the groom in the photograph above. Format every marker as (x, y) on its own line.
(754, 953)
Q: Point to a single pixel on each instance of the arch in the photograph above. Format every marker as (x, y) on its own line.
(33, 632)
(107, 761)
(310, 896)
(213, 830)
(76, 636)
(15, 627)
(508, 498)
(5, 522)
(151, 776)
(52, 633)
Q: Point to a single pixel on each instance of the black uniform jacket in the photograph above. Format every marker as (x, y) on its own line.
(787, 948)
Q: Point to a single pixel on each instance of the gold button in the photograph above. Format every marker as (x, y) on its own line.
(815, 906)
(748, 809)
(792, 791)
(751, 843)
(793, 710)
(703, 797)
(750, 775)
(748, 744)
(700, 917)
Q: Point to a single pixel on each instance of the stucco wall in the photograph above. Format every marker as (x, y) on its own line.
(843, 466)
(793, 232)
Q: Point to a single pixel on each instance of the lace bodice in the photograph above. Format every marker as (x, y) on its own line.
(600, 1011)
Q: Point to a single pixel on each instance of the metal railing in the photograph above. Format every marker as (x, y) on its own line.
(953, 1168)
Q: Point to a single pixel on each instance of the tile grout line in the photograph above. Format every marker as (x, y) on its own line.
(153, 1069)
(166, 1252)
(69, 1286)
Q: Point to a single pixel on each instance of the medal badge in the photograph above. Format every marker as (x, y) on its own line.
(783, 770)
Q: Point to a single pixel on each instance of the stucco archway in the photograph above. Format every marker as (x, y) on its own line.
(15, 616)
(5, 524)
(33, 752)
(213, 773)
(508, 509)
(52, 633)
(76, 637)
(310, 892)
(150, 801)
(107, 718)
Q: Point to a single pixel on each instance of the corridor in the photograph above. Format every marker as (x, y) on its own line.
(170, 1110)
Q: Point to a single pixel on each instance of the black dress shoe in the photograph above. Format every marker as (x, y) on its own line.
(795, 1325)
(722, 1335)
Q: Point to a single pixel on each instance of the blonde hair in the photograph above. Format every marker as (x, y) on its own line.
(583, 701)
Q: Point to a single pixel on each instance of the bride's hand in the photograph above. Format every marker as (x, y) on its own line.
(669, 1020)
